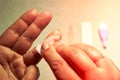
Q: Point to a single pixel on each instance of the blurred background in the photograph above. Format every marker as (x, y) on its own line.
(78, 20)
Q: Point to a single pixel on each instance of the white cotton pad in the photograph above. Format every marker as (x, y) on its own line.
(52, 40)
(38, 49)
(86, 33)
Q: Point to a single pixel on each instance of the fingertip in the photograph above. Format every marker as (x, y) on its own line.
(29, 16)
(58, 33)
(54, 36)
(32, 73)
(42, 20)
(47, 14)
(33, 11)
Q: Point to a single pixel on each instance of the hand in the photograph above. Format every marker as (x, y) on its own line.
(78, 62)
(16, 41)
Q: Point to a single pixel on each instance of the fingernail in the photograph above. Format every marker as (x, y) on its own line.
(45, 45)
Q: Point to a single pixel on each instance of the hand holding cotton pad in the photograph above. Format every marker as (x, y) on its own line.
(52, 38)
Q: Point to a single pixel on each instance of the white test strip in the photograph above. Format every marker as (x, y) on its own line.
(38, 49)
(86, 35)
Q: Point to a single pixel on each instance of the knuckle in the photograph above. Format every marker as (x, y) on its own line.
(56, 65)
(96, 55)
(75, 52)
(91, 48)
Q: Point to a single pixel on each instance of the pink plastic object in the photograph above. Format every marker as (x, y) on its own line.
(103, 34)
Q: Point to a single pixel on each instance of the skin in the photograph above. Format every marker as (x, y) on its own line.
(78, 61)
(16, 62)
(68, 62)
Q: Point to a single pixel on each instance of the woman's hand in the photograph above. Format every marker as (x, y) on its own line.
(78, 62)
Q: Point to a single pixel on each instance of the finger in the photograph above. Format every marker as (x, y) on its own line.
(106, 64)
(32, 73)
(58, 65)
(10, 36)
(92, 52)
(31, 33)
(32, 57)
(55, 35)
(80, 62)
(102, 62)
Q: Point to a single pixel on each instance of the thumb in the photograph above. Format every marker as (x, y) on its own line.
(32, 73)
